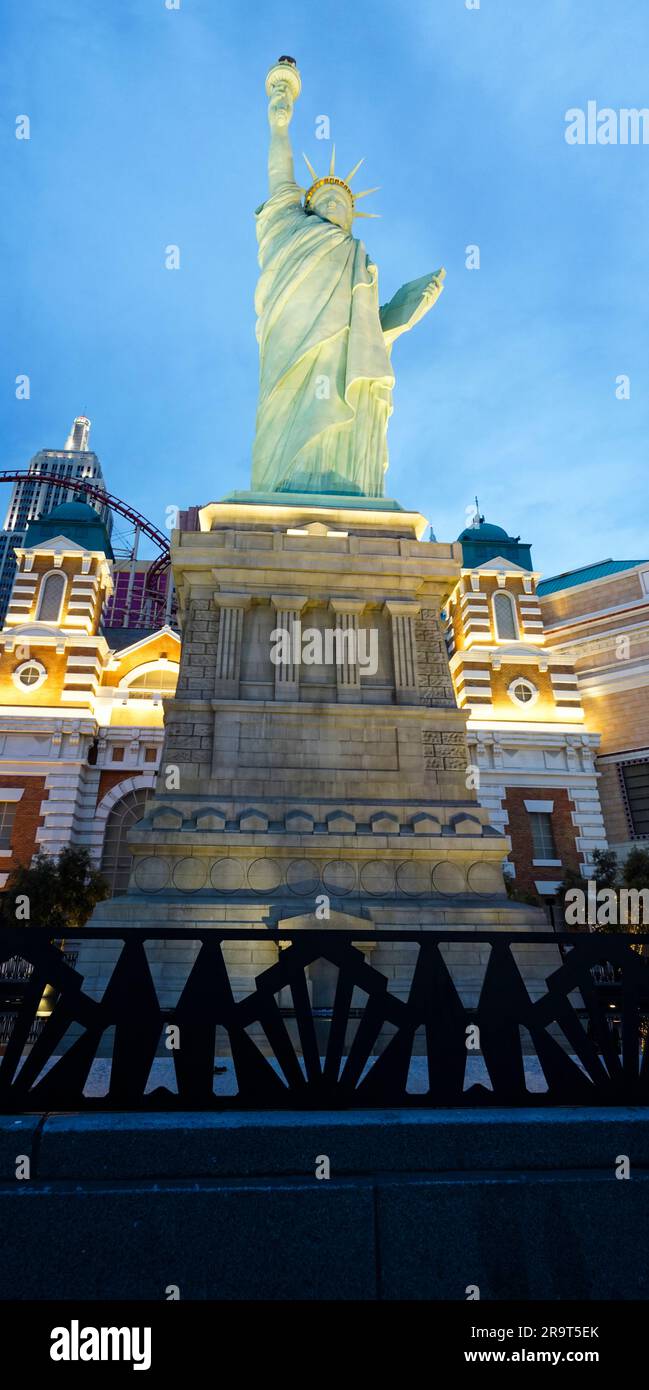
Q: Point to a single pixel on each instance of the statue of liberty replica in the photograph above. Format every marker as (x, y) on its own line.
(325, 342)
(286, 787)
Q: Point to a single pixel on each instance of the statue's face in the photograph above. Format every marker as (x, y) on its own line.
(281, 102)
(333, 204)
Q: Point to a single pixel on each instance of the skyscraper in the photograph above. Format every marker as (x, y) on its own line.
(31, 497)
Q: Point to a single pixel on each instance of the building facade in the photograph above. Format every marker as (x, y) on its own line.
(34, 496)
(597, 617)
(551, 675)
(81, 715)
(532, 751)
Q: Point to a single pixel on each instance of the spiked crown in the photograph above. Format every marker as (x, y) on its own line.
(345, 183)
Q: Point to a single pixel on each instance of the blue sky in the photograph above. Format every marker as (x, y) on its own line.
(148, 127)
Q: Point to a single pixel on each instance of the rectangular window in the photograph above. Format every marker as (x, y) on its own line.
(7, 818)
(118, 755)
(150, 755)
(635, 777)
(542, 836)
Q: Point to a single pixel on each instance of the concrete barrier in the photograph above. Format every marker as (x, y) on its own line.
(418, 1205)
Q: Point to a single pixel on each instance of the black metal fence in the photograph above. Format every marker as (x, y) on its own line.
(14, 975)
(278, 1043)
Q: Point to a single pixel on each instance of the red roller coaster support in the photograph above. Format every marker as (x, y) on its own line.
(86, 486)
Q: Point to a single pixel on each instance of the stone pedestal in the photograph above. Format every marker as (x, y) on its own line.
(312, 789)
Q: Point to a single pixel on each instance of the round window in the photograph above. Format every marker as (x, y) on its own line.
(522, 692)
(30, 675)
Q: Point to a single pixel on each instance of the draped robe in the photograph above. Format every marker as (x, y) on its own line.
(325, 378)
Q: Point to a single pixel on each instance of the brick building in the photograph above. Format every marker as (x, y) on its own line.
(81, 707)
(531, 747)
(597, 617)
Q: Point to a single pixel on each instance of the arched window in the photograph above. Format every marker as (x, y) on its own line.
(116, 858)
(51, 599)
(162, 681)
(505, 617)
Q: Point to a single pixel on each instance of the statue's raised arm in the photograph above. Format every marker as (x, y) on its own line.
(283, 87)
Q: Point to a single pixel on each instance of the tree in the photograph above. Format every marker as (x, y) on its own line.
(606, 868)
(58, 893)
(635, 870)
(608, 874)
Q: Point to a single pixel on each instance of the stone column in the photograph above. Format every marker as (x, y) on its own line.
(228, 652)
(348, 672)
(404, 649)
(288, 608)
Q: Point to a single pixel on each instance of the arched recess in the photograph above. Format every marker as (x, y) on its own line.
(150, 679)
(505, 620)
(51, 597)
(127, 808)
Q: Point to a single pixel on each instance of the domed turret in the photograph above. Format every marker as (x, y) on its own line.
(77, 521)
(483, 541)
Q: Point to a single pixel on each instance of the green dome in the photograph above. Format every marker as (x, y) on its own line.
(485, 541)
(486, 531)
(74, 511)
(77, 521)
